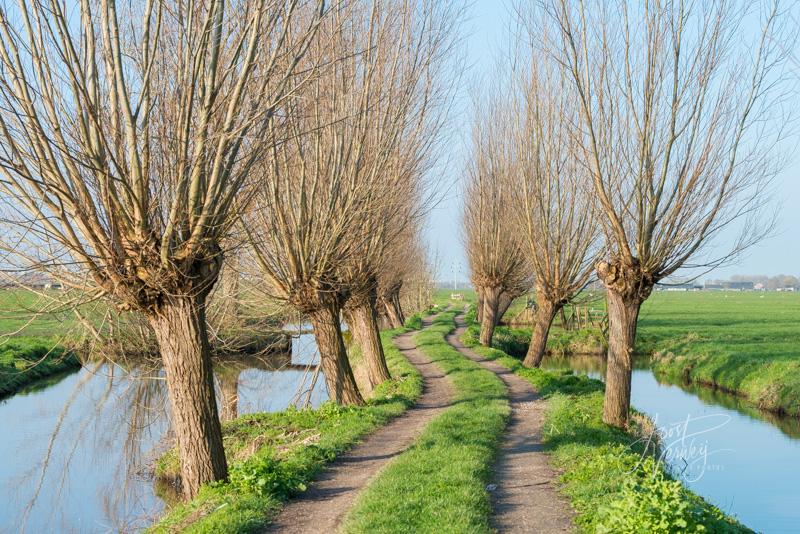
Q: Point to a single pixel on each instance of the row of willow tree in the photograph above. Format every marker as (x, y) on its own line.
(146, 143)
(618, 141)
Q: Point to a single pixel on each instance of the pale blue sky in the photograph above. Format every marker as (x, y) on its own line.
(483, 32)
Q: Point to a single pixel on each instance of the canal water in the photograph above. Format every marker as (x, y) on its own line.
(745, 461)
(77, 455)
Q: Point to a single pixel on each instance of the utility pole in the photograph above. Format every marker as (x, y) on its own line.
(455, 275)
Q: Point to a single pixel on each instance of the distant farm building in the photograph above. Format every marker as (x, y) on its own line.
(730, 286)
(687, 286)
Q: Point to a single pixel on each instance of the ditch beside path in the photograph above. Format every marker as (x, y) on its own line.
(525, 497)
(328, 499)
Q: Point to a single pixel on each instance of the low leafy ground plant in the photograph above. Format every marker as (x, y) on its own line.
(275, 455)
(610, 476)
(439, 484)
(26, 360)
(414, 322)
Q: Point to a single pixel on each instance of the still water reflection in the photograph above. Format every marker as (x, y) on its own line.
(77, 455)
(743, 460)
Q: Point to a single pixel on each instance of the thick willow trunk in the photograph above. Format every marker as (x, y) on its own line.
(623, 315)
(398, 309)
(391, 305)
(491, 301)
(479, 306)
(503, 304)
(627, 286)
(180, 329)
(545, 313)
(363, 322)
(342, 387)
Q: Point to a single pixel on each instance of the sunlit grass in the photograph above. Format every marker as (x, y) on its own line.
(25, 360)
(612, 482)
(439, 484)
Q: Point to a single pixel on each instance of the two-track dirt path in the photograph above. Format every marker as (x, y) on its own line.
(322, 508)
(525, 498)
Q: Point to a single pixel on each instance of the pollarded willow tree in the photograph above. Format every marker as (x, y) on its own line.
(363, 279)
(409, 100)
(127, 131)
(680, 107)
(406, 278)
(313, 227)
(402, 261)
(494, 251)
(550, 196)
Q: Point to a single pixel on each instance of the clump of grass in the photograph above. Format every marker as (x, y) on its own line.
(26, 360)
(275, 455)
(439, 484)
(611, 476)
(414, 322)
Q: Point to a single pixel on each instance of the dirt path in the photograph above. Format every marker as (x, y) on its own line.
(525, 498)
(324, 505)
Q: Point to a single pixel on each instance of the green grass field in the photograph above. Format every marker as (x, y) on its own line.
(32, 315)
(745, 343)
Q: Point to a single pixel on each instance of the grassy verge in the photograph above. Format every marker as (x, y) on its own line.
(26, 360)
(439, 484)
(609, 475)
(274, 455)
(772, 385)
(415, 321)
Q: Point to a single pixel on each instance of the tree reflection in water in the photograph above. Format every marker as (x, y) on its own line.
(85, 447)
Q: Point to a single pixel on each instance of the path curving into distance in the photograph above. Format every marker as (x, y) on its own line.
(328, 499)
(525, 498)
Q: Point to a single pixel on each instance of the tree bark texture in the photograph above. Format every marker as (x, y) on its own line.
(342, 388)
(491, 300)
(479, 305)
(363, 322)
(398, 309)
(180, 329)
(504, 303)
(627, 286)
(391, 302)
(545, 313)
(623, 315)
